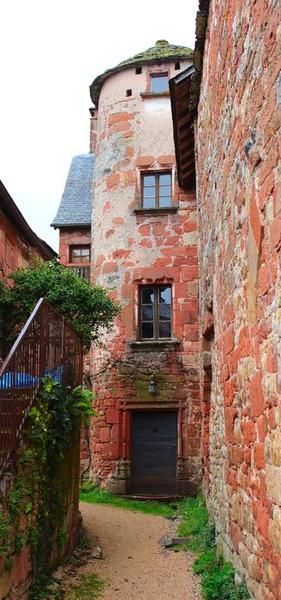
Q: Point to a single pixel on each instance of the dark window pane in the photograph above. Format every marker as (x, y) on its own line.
(165, 179)
(147, 313)
(147, 330)
(148, 180)
(165, 294)
(159, 83)
(147, 295)
(164, 312)
(164, 329)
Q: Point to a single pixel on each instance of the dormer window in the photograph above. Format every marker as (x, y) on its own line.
(159, 83)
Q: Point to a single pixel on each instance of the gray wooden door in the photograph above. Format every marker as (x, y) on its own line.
(154, 453)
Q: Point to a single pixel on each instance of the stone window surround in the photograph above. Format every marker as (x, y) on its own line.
(155, 318)
(153, 344)
(155, 168)
(155, 70)
(157, 188)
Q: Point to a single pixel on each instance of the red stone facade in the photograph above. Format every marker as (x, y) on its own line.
(239, 191)
(74, 237)
(16, 248)
(14, 251)
(132, 247)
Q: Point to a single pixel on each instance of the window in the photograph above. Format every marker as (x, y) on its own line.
(80, 254)
(155, 316)
(138, 70)
(159, 83)
(156, 190)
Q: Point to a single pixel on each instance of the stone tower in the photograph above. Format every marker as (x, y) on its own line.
(146, 438)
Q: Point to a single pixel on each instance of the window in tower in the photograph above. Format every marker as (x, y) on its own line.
(155, 312)
(156, 190)
(159, 83)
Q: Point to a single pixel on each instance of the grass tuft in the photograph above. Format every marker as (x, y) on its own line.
(88, 588)
(218, 576)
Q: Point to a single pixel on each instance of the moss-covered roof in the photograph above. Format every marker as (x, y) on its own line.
(161, 52)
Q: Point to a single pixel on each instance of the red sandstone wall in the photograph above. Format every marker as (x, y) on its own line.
(16, 569)
(132, 248)
(239, 191)
(72, 236)
(14, 251)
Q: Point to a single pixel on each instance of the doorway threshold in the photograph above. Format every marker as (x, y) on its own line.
(158, 498)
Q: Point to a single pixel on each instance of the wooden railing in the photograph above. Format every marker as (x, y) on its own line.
(82, 271)
(47, 345)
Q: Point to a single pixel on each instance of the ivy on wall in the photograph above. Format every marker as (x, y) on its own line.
(33, 508)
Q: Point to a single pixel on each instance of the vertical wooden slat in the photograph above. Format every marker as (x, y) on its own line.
(46, 345)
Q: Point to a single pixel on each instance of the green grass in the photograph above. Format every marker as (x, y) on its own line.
(93, 495)
(88, 588)
(217, 576)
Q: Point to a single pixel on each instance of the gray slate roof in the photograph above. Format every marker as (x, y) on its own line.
(75, 205)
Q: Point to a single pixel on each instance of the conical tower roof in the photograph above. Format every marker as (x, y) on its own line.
(161, 52)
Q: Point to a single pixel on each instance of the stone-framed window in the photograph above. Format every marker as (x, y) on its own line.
(155, 312)
(156, 189)
(159, 83)
(80, 253)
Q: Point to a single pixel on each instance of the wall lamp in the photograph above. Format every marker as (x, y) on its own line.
(152, 386)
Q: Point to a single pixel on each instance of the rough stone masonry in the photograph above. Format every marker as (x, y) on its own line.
(239, 203)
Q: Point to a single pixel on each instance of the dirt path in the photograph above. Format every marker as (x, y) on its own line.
(135, 565)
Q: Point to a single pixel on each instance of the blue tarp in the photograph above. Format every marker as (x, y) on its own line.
(25, 380)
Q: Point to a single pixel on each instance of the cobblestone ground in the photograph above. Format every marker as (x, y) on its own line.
(135, 565)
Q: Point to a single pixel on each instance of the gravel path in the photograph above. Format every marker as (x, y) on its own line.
(135, 565)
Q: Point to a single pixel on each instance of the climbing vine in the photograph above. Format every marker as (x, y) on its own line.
(33, 508)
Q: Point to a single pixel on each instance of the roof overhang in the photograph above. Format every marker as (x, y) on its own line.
(183, 116)
(13, 214)
(71, 225)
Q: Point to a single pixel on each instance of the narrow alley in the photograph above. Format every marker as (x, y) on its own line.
(135, 565)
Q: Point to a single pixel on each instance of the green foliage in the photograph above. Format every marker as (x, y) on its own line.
(5, 531)
(218, 582)
(34, 509)
(218, 576)
(87, 307)
(88, 588)
(16, 496)
(94, 495)
(52, 425)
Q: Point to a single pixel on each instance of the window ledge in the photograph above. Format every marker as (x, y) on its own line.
(155, 94)
(155, 211)
(153, 344)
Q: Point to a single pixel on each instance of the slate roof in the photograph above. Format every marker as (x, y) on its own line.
(76, 201)
(161, 52)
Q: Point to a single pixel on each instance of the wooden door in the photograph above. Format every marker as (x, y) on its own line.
(154, 453)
